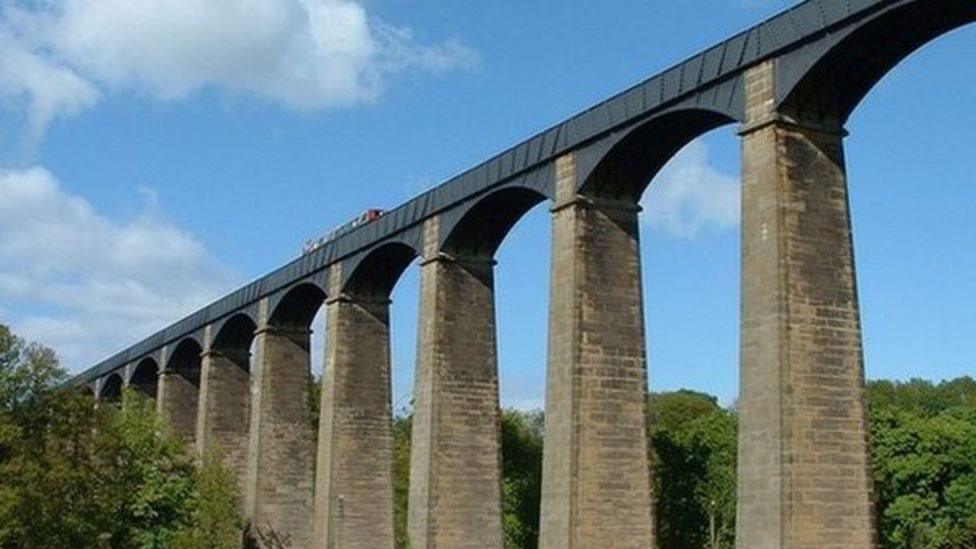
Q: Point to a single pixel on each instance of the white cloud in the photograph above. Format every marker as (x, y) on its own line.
(689, 195)
(304, 54)
(87, 285)
(39, 86)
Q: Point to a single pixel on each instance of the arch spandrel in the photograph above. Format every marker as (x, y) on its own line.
(826, 79)
(478, 229)
(234, 333)
(185, 359)
(296, 306)
(232, 322)
(110, 389)
(621, 166)
(375, 273)
(145, 377)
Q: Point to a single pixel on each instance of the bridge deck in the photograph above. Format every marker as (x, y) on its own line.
(786, 31)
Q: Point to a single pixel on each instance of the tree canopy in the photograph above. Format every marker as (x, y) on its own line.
(73, 474)
(693, 449)
(923, 449)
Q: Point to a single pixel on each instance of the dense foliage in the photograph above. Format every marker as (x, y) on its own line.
(522, 434)
(76, 475)
(73, 475)
(401, 477)
(693, 444)
(521, 477)
(923, 446)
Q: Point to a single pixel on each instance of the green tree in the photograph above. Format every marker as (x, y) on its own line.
(921, 396)
(28, 372)
(673, 410)
(711, 440)
(216, 524)
(693, 451)
(98, 478)
(314, 405)
(150, 476)
(923, 449)
(52, 490)
(522, 434)
(73, 474)
(401, 477)
(76, 475)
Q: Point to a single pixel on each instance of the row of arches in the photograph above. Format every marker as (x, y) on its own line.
(622, 174)
(818, 87)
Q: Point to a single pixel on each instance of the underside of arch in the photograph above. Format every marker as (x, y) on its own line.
(298, 307)
(626, 169)
(111, 390)
(376, 274)
(234, 337)
(839, 79)
(185, 361)
(145, 378)
(484, 226)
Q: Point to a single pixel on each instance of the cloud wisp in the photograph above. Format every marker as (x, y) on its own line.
(690, 196)
(58, 58)
(86, 284)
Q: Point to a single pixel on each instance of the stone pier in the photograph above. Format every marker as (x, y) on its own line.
(225, 404)
(278, 495)
(178, 394)
(455, 472)
(354, 477)
(596, 489)
(804, 479)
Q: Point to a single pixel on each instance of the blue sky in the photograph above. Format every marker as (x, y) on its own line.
(153, 159)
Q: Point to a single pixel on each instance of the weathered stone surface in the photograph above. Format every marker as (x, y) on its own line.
(280, 453)
(177, 399)
(354, 478)
(224, 414)
(596, 488)
(455, 481)
(804, 478)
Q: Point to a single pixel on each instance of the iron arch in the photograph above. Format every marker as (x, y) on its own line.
(234, 339)
(185, 360)
(297, 307)
(483, 226)
(111, 389)
(145, 377)
(830, 82)
(632, 158)
(376, 273)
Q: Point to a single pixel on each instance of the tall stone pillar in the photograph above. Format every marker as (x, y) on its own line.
(278, 498)
(455, 461)
(225, 403)
(354, 477)
(596, 489)
(177, 399)
(803, 477)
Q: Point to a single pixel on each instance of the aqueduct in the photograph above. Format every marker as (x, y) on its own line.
(803, 480)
